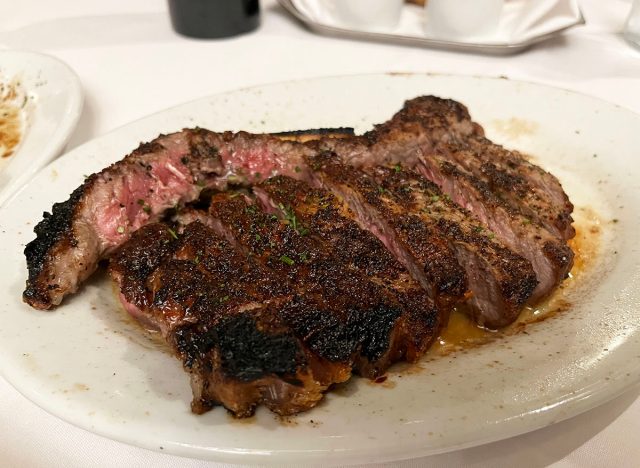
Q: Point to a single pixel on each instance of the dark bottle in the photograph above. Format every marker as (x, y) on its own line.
(214, 18)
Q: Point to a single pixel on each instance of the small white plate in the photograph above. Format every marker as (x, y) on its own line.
(54, 104)
(87, 363)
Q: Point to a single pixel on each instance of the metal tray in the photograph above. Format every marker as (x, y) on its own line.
(494, 49)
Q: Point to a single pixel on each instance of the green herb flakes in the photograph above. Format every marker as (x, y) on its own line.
(288, 260)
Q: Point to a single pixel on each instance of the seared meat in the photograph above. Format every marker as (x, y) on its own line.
(341, 314)
(221, 313)
(317, 213)
(101, 214)
(409, 212)
(273, 301)
(416, 245)
(522, 185)
(304, 136)
(550, 257)
(419, 127)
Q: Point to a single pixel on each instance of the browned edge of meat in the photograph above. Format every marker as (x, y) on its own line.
(103, 212)
(550, 257)
(422, 124)
(341, 314)
(220, 313)
(318, 213)
(500, 281)
(421, 249)
(171, 170)
(526, 187)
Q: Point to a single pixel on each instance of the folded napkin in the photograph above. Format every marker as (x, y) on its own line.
(520, 21)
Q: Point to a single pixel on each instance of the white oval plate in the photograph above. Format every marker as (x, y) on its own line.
(55, 103)
(88, 364)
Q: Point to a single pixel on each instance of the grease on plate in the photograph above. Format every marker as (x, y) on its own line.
(462, 333)
(13, 118)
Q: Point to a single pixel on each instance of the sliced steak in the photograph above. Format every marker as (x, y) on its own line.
(524, 186)
(550, 257)
(318, 213)
(101, 214)
(500, 280)
(340, 314)
(417, 245)
(221, 314)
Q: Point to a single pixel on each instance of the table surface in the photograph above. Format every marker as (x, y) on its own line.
(132, 64)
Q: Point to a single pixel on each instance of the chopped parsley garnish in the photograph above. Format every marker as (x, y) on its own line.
(146, 208)
(435, 198)
(397, 168)
(288, 260)
(297, 169)
(196, 260)
(291, 220)
(173, 233)
(258, 237)
(303, 257)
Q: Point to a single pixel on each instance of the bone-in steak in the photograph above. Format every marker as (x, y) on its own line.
(275, 267)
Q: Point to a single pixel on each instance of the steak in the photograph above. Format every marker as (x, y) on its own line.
(414, 218)
(101, 214)
(221, 313)
(550, 256)
(341, 313)
(318, 213)
(276, 266)
(513, 179)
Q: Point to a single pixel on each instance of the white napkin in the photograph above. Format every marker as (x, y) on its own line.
(521, 20)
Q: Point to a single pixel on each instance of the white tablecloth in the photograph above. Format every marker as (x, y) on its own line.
(132, 64)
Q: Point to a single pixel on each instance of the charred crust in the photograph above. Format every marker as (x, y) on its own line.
(201, 145)
(54, 229)
(146, 148)
(247, 352)
(346, 131)
(363, 330)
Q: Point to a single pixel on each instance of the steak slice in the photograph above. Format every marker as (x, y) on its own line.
(338, 312)
(101, 214)
(417, 245)
(318, 213)
(550, 257)
(524, 186)
(220, 312)
(500, 281)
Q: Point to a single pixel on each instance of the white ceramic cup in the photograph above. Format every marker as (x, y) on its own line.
(462, 19)
(369, 14)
